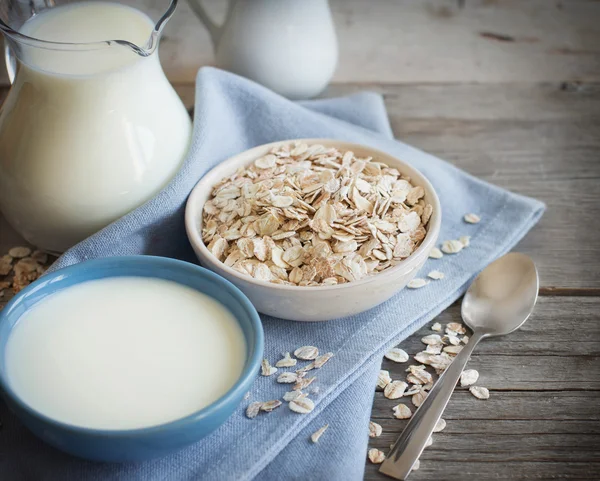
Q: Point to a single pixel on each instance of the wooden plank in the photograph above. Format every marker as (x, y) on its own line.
(400, 41)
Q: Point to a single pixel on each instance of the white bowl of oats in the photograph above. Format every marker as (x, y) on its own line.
(314, 229)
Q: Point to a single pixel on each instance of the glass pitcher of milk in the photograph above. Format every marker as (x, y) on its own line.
(91, 127)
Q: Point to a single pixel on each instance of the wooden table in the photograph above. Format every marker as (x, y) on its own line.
(510, 92)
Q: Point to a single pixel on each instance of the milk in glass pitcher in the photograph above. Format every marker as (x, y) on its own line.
(91, 128)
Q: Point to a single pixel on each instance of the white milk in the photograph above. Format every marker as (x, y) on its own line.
(124, 352)
(86, 136)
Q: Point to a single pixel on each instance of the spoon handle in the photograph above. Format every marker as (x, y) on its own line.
(409, 446)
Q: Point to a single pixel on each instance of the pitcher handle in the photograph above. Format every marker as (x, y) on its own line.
(11, 63)
(213, 29)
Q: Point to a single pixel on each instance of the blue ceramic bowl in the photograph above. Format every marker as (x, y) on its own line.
(145, 443)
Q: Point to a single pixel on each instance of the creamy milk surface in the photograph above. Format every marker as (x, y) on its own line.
(87, 134)
(124, 353)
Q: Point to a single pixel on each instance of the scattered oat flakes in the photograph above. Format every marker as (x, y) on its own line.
(431, 339)
(440, 425)
(395, 389)
(383, 379)
(376, 456)
(453, 350)
(472, 218)
(418, 398)
(413, 390)
(451, 339)
(436, 253)
(291, 395)
(456, 328)
(266, 369)
(452, 246)
(317, 434)
(19, 252)
(287, 361)
(429, 441)
(270, 405)
(306, 353)
(434, 348)
(320, 361)
(416, 466)
(465, 240)
(436, 275)
(26, 271)
(480, 392)
(375, 430)
(287, 378)
(417, 283)
(419, 376)
(310, 215)
(397, 355)
(402, 411)
(253, 409)
(436, 327)
(303, 370)
(468, 377)
(303, 383)
(464, 339)
(302, 405)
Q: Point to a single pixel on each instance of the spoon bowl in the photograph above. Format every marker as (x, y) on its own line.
(502, 296)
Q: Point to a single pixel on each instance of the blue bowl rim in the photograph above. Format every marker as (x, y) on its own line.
(242, 385)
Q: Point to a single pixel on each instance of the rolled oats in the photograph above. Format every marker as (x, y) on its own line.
(287, 361)
(253, 409)
(270, 405)
(302, 405)
(318, 433)
(436, 275)
(374, 430)
(395, 389)
(417, 283)
(306, 353)
(440, 425)
(383, 379)
(472, 218)
(19, 252)
(397, 355)
(318, 215)
(266, 369)
(452, 246)
(402, 411)
(376, 456)
(480, 392)
(436, 253)
(468, 377)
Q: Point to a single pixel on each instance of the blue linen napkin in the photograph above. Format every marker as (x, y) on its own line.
(233, 114)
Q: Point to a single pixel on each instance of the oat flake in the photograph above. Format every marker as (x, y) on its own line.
(287, 361)
(397, 355)
(417, 283)
(253, 409)
(436, 253)
(287, 378)
(375, 430)
(436, 275)
(317, 434)
(395, 389)
(440, 425)
(266, 369)
(436, 327)
(270, 405)
(472, 218)
(480, 392)
(402, 411)
(452, 246)
(376, 456)
(383, 379)
(19, 252)
(302, 405)
(306, 353)
(468, 377)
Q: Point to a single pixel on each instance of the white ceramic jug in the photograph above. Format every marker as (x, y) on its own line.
(289, 46)
(91, 127)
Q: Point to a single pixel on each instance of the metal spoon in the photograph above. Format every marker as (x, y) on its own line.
(498, 302)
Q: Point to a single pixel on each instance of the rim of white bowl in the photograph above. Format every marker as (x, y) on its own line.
(193, 213)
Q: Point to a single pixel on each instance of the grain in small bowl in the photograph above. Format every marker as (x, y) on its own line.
(314, 229)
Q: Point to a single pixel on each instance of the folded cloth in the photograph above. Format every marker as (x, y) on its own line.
(233, 114)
